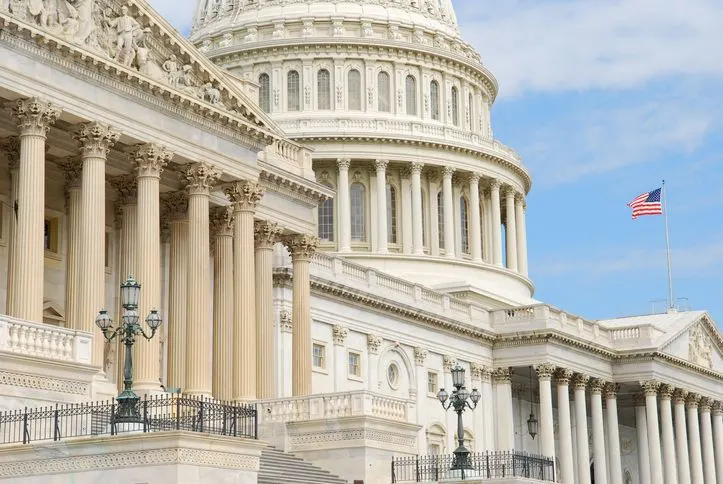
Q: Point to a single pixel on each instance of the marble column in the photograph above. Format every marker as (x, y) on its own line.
(286, 361)
(339, 334)
(382, 235)
(696, 457)
(420, 356)
(651, 414)
(73, 170)
(199, 372)
(417, 225)
(580, 382)
(34, 117)
(496, 223)
(598, 433)
(681, 436)
(244, 196)
(374, 343)
(302, 248)
(176, 211)
(221, 226)
(11, 147)
(547, 432)
(511, 232)
(505, 425)
(488, 408)
(265, 235)
(449, 243)
(614, 457)
(670, 470)
(344, 205)
(475, 218)
(96, 140)
(567, 463)
(718, 437)
(521, 224)
(641, 427)
(149, 162)
(706, 438)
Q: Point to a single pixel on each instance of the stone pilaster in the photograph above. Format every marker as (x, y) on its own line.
(614, 458)
(475, 218)
(201, 177)
(496, 223)
(598, 433)
(417, 212)
(449, 243)
(511, 230)
(244, 197)
(339, 334)
(344, 205)
(580, 382)
(420, 357)
(567, 462)
(286, 357)
(221, 220)
(374, 343)
(73, 171)
(11, 147)
(382, 235)
(34, 117)
(547, 433)
(96, 140)
(266, 235)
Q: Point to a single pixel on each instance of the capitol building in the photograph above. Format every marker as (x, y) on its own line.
(310, 194)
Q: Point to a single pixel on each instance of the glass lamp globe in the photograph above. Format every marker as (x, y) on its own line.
(475, 396)
(533, 426)
(154, 320)
(131, 317)
(442, 395)
(130, 291)
(458, 376)
(103, 321)
(463, 394)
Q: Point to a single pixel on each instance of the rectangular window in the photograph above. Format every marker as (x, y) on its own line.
(354, 364)
(319, 356)
(432, 382)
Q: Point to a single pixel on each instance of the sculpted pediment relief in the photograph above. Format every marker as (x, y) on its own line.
(699, 343)
(700, 346)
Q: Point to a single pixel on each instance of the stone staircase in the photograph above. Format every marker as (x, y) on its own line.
(279, 467)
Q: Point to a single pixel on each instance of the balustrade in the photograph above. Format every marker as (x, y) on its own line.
(44, 341)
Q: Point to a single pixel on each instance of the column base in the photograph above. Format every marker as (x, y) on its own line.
(147, 388)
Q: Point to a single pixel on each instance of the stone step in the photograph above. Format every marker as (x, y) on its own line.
(279, 467)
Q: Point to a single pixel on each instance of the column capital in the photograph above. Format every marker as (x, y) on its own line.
(474, 179)
(705, 404)
(420, 355)
(477, 370)
(343, 163)
(639, 399)
(447, 362)
(545, 371)
(510, 192)
(96, 139)
(611, 390)
(244, 195)
(285, 321)
(34, 115)
(381, 164)
(495, 184)
(597, 385)
(11, 147)
(717, 408)
(580, 381)
(520, 197)
(416, 167)
(692, 400)
(680, 396)
(502, 375)
(301, 246)
(650, 387)
(339, 334)
(149, 159)
(221, 221)
(563, 376)
(448, 172)
(175, 205)
(72, 168)
(266, 233)
(126, 187)
(666, 392)
(374, 342)
(200, 178)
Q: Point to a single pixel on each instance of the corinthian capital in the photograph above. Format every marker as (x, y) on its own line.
(221, 221)
(597, 385)
(650, 387)
(502, 375)
(72, 168)
(545, 371)
(96, 139)
(611, 390)
(580, 381)
(381, 165)
(200, 177)
(420, 354)
(35, 116)
(447, 172)
(11, 147)
(301, 246)
(127, 188)
(416, 167)
(150, 159)
(343, 163)
(175, 205)
(266, 233)
(245, 195)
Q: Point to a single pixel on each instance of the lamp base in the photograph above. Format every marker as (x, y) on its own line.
(128, 408)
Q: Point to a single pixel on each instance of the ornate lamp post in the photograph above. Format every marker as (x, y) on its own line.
(127, 331)
(459, 400)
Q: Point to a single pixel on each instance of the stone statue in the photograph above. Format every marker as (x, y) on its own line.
(171, 68)
(125, 27)
(210, 93)
(700, 348)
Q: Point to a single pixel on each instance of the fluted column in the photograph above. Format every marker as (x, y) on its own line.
(505, 425)
(286, 356)
(651, 414)
(200, 178)
(302, 248)
(521, 234)
(718, 437)
(417, 225)
(488, 408)
(382, 236)
(511, 233)
(344, 205)
(614, 457)
(222, 224)
(420, 355)
(567, 462)
(641, 427)
(449, 243)
(244, 196)
(265, 234)
(706, 439)
(670, 469)
(96, 140)
(583, 450)
(496, 223)
(339, 334)
(11, 147)
(34, 117)
(374, 343)
(598, 433)
(681, 436)
(150, 159)
(696, 458)
(73, 170)
(547, 433)
(476, 220)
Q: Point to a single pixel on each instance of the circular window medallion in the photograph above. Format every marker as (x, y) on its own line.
(393, 375)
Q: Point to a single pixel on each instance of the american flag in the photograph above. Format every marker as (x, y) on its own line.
(647, 204)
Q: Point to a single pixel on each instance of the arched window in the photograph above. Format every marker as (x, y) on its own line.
(434, 99)
(440, 218)
(323, 89)
(424, 218)
(464, 224)
(326, 219)
(411, 88)
(265, 92)
(455, 106)
(293, 96)
(436, 439)
(354, 90)
(391, 214)
(357, 198)
(470, 107)
(383, 86)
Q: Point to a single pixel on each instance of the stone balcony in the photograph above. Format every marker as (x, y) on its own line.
(44, 341)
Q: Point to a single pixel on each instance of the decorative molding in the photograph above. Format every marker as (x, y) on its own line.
(221, 221)
(126, 186)
(692, 400)
(420, 355)
(611, 391)
(597, 385)
(666, 391)
(680, 396)
(502, 376)
(339, 334)
(374, 342)
(285, 321)
(448, 362)
(44, 383)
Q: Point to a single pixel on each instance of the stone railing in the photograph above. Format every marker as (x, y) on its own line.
(44, 341)
(333, 405)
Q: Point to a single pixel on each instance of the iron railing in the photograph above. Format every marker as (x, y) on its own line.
(158, 413)
(482, 465)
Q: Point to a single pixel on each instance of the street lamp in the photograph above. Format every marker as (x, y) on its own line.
(459, 400)
(127, 332)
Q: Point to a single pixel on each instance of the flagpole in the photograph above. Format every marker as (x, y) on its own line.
(667, 250)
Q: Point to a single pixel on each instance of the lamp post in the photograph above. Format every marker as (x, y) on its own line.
(127, 331)
(459, 400)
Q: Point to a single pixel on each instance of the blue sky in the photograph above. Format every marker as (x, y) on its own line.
(603, 99)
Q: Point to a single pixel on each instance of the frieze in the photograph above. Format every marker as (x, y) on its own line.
(44, 383)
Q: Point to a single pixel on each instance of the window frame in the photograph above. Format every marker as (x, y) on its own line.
(364, 229)
(350, 95)
(324, 357)
(265, 94)
(354, 376)
(392, 199)
(330, 202)
(292, 94)
(454, 100)
(433, 394)
(323, 76)
(434, 112)
(57, 221)
(411, 93)
(464, 222)
(384, 95)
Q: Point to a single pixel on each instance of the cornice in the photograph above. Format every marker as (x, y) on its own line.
(293, 186)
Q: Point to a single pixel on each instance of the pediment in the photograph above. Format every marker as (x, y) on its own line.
(53, 313)
(700, 343)
(139, 44)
